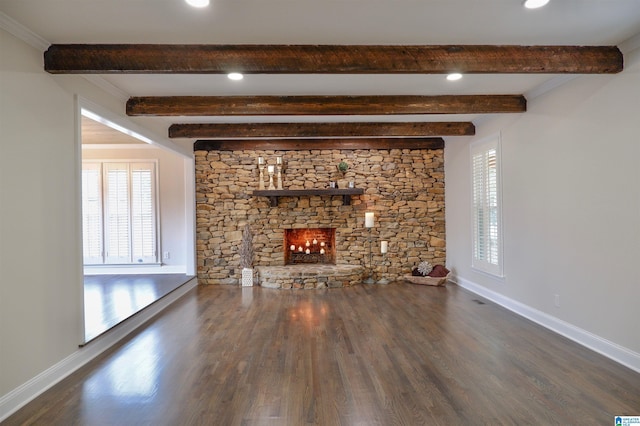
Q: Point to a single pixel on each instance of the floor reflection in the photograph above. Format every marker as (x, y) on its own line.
(132, 374)
(111, 299)
(136, 384)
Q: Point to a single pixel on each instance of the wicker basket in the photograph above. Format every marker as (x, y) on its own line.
(434, 281)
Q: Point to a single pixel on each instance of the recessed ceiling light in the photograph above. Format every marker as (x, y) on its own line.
(235, 76)
(198, 3)
(534, 4)
(454, 76)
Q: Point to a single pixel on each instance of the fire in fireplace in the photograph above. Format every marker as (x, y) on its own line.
(310, 245)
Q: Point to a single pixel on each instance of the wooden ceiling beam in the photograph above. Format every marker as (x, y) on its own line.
(308, 144)
(329, 59)
(319, 130)
(323, 105)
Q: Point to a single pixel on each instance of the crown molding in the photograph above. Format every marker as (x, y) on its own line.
(114, 91)
(549, 85)
(626, 47)
(34, 40)
(630, 44)
(23, 33)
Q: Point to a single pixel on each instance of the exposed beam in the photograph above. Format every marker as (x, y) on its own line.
(318, 130)
(329, 59)
(323, 105)
(305, 144)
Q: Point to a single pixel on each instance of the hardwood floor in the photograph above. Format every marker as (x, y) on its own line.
(365, 355)
(111, 299)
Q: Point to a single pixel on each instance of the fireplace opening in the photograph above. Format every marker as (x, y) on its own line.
(310, 245)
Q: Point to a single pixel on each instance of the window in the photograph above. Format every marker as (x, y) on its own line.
(486, 205)
(119, 219)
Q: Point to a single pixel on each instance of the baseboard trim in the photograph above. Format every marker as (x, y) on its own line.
(23, 394)
(611, 350)
(134, 269)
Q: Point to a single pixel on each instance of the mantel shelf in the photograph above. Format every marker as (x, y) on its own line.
(275, 194)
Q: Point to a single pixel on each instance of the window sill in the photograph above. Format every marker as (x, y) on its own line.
(500, 277)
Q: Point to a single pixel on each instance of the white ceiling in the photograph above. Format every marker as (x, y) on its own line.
(95, 133)
(562, 22)
(328, 21)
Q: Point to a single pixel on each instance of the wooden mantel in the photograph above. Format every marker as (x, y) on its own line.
(275, 194)
(322, 143)
(318, 130)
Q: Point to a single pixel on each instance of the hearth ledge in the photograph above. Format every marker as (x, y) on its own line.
(309, 276)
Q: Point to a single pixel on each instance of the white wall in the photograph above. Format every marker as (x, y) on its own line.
(171, 175)
(41, 276)
(571, 207)
(40, 263)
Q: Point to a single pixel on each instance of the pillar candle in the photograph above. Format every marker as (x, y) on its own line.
(321, 251)
(270, 168)
(300, 249)
(368, 220)
(322, 244)
(308, 251)
(293, 247)
(308, 244)
(384, 246)
(260, 161)
(278, 160)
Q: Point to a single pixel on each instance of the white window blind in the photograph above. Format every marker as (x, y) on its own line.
(486, 205)
(128, 222)
(92, 213)
(117, 213)
(143, 218)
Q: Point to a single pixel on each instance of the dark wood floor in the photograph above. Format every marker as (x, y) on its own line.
(111, 299)
(367, 355)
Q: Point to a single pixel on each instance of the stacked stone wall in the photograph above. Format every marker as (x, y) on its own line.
(404, 188)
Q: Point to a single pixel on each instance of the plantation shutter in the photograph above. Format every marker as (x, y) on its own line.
(487, 250)
(118, 221)
(119, 212)
(92, 213)
(143, 217)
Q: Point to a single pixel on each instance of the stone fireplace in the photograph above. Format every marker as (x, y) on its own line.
(310, 246)
(404, 187)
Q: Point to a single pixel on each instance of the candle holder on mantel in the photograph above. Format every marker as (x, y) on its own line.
(270, 170)
(279, 168)
(261, 168)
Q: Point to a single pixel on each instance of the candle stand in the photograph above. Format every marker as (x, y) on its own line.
(279, 168)
(270, 171)
(261, 182)
(383, 280)
(370, 279)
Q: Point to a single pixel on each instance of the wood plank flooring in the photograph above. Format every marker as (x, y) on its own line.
(366, 355)
(111, 299)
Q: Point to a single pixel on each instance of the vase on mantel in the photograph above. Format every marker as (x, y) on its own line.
(343, 183)
(342, 169)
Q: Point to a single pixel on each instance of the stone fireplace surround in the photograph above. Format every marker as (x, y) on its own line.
(404, 188)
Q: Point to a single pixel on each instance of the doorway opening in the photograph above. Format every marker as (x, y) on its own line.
(135, 222)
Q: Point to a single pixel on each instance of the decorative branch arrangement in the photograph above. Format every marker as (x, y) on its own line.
(246, 248)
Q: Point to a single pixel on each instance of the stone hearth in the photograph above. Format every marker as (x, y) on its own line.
(309, 276)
